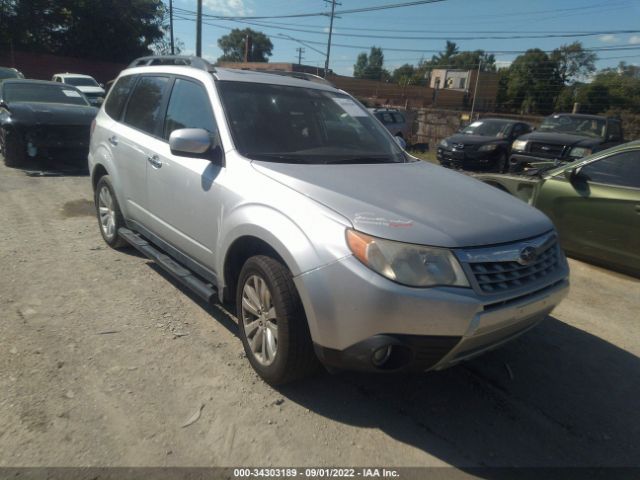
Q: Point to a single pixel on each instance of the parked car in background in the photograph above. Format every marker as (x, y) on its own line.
(565, 137)
(94, 91)
(7, 73)
(290, 200)
(594, 203)
(482, 145)
(43, 119)
(395, 121)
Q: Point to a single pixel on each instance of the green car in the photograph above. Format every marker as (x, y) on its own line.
(594, 203)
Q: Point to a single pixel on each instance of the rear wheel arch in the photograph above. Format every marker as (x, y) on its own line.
(98, 172)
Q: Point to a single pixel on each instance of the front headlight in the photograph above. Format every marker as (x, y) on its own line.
(488, 148)
(444, 143)
(519, 145)
(579, 152)
(405, 263)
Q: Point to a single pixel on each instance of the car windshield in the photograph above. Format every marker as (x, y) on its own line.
(591, 127)
(488, 129)
(81, 81)
(33, 92)
(304, 125)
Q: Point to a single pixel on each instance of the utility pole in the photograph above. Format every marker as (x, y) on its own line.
(247, 48)
(333, 11)
(300, 51)
(475, 91)
(199, 30)
(173, 52)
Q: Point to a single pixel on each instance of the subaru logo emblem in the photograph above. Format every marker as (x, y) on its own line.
(527, 255)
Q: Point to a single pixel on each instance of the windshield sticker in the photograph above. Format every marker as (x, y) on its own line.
(368, 218)
(71, 93)
(349, 106)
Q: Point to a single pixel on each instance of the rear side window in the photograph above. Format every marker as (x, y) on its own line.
(118, 96)
(399, 118)
(189, 107)
(144, 109)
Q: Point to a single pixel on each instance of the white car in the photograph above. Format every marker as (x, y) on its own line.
(86, 84)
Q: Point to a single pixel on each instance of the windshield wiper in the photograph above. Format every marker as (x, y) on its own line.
(361, 160)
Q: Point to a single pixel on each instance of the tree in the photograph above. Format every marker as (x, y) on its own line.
(574, 62)
(233, 46)
(110, 30)
(371, 66)
(443, 58)
(162, 46)
(404, 75)
(533, 82)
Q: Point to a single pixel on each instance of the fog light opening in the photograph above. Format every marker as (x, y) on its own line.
(381, 355)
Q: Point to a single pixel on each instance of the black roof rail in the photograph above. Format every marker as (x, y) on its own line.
(175, 60)
(301, 76)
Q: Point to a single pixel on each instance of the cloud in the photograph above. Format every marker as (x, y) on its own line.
(227, 7)
(608, 38)
(634, 39)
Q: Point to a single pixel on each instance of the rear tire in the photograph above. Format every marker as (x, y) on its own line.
(12, 148)
(110, 218)
(272, 324)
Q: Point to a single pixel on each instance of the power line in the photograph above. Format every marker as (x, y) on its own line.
(324, 14)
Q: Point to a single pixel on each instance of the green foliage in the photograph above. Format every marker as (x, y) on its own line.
(533, 83)
(573, 62)
(233, 46)
(110, 30)
(370, 66)
(617, 89)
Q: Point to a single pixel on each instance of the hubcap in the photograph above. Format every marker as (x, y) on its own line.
(106, 212)
(259, 320)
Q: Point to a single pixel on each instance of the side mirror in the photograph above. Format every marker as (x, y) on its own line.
(572, 174)
(190, 142)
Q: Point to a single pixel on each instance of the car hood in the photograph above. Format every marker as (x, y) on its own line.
(473, 139)
(33, 113)
(568, 139)
(414, 202)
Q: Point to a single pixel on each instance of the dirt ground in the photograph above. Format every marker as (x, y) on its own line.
(103, 360)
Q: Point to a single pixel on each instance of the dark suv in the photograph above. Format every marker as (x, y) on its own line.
(565, 137)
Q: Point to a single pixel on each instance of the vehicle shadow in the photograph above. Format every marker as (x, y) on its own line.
(54, 167)
(556, 397)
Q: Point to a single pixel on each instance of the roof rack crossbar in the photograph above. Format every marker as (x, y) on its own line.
(175, 60)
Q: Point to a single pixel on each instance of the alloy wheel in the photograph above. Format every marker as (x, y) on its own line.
(259, 320)
(106, 212)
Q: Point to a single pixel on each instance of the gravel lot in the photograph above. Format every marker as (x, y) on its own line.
(103, 360)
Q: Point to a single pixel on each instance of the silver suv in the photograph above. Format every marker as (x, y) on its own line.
(286, 197)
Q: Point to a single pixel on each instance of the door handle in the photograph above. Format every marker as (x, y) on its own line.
(154, 160)
(113, 140)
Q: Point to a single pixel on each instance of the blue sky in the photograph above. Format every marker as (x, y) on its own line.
(446, 19)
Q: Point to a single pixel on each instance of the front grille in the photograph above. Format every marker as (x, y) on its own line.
(505, 276)
(61, 133)
(546, 150)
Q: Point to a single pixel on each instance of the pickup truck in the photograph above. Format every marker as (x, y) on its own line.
(564, 137)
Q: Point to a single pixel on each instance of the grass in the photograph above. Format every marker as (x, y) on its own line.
(426, 156)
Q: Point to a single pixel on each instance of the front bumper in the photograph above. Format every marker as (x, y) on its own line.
(353, 312)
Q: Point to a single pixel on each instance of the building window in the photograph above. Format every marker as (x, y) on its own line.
(463, 82)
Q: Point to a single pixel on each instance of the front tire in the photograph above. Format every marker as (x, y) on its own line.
(501, 165)
(272, 324)
(110, 218)
(12, 148)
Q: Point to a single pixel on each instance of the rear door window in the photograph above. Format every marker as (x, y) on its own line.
(118, 96)
(144, 110)
(189, 107)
